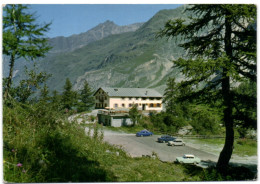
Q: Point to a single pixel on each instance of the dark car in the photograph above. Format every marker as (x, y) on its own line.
(166, 138)
(144, 133)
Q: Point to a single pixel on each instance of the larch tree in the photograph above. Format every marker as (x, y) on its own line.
(23, 37)
(220, 44)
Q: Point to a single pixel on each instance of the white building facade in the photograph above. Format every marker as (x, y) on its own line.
(113, 98)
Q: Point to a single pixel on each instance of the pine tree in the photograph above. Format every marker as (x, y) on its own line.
(69, 97)
(86, 98)
(220, 41)
(23, 37)
(179, 109)
(55, 101)
(55, 97)
(170, 95)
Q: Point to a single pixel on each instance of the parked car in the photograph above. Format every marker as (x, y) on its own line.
(144, 133)
(176, 142)
(188, 159)
(166, 138)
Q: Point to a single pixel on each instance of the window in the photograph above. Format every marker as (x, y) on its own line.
(151, 98)
(123, 105)
(130, 98)
(105, 105)
(115, 105)
(137, 98)
(158, 98)
(130, 105)
(143, 98)
(151, 105)
(158, 105)
(123, 98)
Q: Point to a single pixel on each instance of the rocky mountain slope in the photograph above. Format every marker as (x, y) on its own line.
(65, 44)
(133, 58)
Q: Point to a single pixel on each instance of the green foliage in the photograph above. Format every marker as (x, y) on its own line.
(205, 120)
(220, 41)
(55, 100)
(205, 50)
(170, 96)
(69, 97)
(22, 34)
(245, 147)
(22, 37)
(86, 99)
(167, 123)
(242, 147)
(134, 114)
(231, 174)
(29, 86)
(49, 148)
(244, 111)
(44, 96)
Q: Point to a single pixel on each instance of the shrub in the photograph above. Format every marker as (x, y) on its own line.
(232, 173)
(48, 148)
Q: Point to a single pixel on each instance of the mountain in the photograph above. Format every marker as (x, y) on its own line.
(65, 44)
(133, 58)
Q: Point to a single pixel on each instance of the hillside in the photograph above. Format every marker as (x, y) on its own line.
(65, 44)
(129, 59)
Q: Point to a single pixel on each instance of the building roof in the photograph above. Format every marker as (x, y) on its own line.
(130, 92)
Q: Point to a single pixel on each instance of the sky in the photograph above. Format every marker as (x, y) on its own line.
(69, 19)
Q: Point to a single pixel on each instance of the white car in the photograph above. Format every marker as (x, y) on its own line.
(188, 159)
(176, 142)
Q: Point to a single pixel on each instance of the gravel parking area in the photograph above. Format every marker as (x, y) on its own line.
(139, 146)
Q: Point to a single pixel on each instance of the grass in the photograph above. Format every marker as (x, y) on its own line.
(242, 147)
(245, 147)
(148, 170)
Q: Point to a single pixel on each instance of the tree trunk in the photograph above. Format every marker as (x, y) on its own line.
(10, 77)
(226, 153)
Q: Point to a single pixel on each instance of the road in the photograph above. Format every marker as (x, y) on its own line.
(139, 146)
